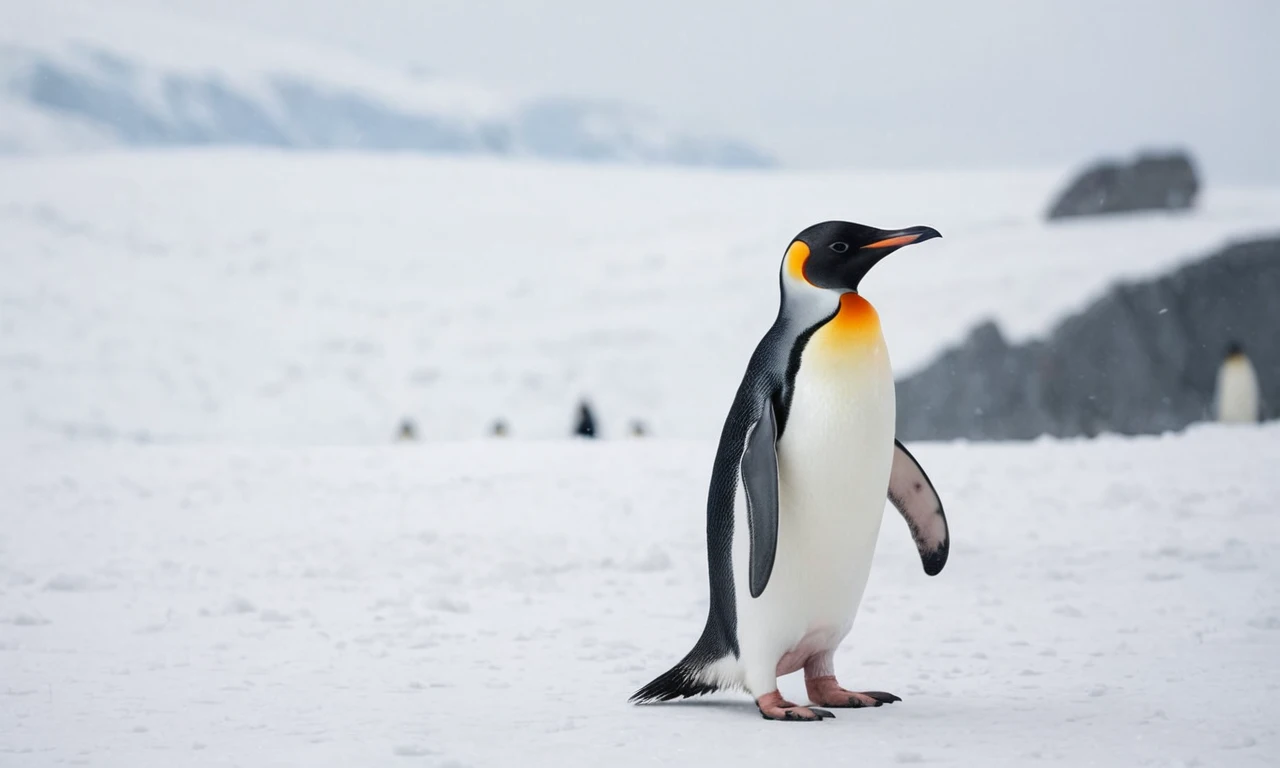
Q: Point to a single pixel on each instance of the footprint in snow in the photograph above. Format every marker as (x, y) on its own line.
(449, 605)
(25, 620)
(65, 582)
(238, 605)
(410, 750)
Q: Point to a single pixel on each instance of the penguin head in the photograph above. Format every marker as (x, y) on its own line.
(836, 255)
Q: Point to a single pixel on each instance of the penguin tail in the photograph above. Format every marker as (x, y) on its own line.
(682, 681)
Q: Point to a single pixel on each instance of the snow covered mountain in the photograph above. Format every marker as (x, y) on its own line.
(82, 78)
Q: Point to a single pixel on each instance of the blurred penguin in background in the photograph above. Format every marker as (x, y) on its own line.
(407, 431)
(499, 428)
(586, 426)
(638, 429)
(1237, 392)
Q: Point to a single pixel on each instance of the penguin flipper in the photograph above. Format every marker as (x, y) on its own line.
(759, 468)
(911, 491)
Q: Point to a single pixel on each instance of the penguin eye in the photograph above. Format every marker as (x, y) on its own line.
(839, 247)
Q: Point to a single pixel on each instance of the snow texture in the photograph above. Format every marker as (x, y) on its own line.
(80, 76)
(1113, 603)
(211, 553)
(304, 298)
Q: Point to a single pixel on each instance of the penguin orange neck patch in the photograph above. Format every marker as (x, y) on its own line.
(797, 255)
(855, 323)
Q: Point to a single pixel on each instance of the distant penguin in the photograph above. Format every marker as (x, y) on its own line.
(1236, 400)
(638, 429)
(805, 462)
(499, 428)
(407, 431)
(586, 426)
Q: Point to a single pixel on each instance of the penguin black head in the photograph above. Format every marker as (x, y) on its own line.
(836, 255)
(1234, 348)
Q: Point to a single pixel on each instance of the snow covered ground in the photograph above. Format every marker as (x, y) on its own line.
(303, 298)
(1112, 603)
(211, 553)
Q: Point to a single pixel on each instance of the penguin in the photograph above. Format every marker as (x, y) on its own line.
(586, 426)
(407, 432)
(498, 428)
(806, 459)
(1236, 400)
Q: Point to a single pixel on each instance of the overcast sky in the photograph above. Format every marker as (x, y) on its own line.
(926, 83)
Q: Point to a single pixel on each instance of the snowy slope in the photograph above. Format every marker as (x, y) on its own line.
(75, 75)
(1107, 603)
(303, 298)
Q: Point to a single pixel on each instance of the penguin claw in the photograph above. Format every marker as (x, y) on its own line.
(827, 692)
(773, 707)
(799, 714)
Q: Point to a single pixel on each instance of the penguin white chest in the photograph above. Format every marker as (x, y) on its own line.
(834, 458)
(1237, 391)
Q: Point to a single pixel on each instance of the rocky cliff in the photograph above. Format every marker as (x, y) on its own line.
(1141, 359)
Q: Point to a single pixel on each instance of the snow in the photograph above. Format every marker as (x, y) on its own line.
(75, 74)
(211, 552)
(172, 43)
(1108, 602)
(319, 298)
(29, 129)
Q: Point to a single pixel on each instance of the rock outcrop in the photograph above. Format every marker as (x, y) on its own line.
(1152, 182)
(1141, 359)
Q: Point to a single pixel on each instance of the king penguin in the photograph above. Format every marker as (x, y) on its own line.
(806, 460)
(1236, 396)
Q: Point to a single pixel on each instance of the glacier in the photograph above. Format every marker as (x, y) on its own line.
(86, 80)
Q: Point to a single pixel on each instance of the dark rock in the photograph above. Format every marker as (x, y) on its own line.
(1142, 359)
(1152, 182)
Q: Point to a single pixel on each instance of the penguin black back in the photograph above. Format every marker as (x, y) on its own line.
(769, 379)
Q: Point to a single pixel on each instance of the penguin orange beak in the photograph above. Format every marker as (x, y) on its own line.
(904, 237)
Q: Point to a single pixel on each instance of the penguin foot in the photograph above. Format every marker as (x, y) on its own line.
(827, 692)
(774, 707)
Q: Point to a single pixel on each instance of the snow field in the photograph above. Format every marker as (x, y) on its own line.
(304, 299)
(1114, 602)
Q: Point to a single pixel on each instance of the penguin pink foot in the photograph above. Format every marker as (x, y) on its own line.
(827, 692)
(774, 707)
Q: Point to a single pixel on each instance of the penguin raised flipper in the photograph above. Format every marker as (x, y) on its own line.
(806, 459)
(911, 491)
